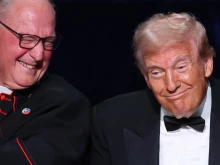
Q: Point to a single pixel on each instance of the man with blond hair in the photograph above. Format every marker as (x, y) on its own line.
(175, 121)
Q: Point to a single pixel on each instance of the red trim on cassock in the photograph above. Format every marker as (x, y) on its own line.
(2, 112)
(22, 149)
(14, 102)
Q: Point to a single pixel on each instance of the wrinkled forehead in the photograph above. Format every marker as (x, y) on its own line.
(172, 52)
(190, 45)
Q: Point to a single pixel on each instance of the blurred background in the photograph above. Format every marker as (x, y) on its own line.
(96, 54)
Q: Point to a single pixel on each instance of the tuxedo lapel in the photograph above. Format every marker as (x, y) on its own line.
(214, 150)
(142, 140)
(142, 150)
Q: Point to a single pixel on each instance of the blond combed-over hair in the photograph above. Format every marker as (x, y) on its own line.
(162, 30)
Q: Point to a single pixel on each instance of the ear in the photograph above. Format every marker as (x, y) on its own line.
(208, 66)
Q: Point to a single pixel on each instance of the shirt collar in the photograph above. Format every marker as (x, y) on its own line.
(5, 90)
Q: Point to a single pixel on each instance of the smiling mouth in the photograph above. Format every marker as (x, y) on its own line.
(176, 96)
(27, 65)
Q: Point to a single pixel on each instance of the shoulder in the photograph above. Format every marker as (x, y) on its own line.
(124, 104)
(124, 99)
(56, 87)
(214, 82)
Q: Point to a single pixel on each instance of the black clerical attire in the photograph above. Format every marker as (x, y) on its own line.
(47, 124)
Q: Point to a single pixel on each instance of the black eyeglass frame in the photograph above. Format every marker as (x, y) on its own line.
(20, 36)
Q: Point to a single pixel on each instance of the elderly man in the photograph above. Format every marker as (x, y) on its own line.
(176, 120)
(43, 119)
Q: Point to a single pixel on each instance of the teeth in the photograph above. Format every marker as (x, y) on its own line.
(27, 65)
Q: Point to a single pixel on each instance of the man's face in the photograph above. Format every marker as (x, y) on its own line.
(19, 67)
(178, 77)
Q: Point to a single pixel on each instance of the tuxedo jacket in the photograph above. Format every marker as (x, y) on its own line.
(54, 131)
(126, 129)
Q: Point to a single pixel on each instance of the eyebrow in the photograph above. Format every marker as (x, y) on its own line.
(181, 58)
(173, 62)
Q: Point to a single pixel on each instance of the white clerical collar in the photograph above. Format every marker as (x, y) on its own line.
(5, 90)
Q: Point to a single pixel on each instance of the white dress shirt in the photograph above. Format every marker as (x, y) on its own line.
(186, 146)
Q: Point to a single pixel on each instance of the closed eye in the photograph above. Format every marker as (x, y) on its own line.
(156, 74)
(182, 68)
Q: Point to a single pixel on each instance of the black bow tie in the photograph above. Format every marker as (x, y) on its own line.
(172, 123)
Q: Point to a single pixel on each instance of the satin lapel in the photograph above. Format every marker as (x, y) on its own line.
(142, 140)
(214, 150)
(142, 150)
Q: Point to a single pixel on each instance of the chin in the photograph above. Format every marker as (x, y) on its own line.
(185, 114)
(25, 84)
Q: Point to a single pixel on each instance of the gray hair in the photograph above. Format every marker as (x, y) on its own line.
(162, 30)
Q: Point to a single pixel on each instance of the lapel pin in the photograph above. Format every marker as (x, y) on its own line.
(26, 111)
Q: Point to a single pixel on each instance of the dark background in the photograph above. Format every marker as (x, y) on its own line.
(96, 54)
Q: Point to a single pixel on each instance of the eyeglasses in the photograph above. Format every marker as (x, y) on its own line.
(29, 41)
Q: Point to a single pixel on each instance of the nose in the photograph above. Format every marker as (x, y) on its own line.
(37, 52)
(172, 81)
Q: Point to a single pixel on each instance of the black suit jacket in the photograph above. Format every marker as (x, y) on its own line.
(55, 132)
(126, 129)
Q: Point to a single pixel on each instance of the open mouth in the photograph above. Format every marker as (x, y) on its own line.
(27, 65)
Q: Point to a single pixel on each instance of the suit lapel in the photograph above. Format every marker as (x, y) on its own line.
(142, 139)
(214, 148)
(142, 150)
